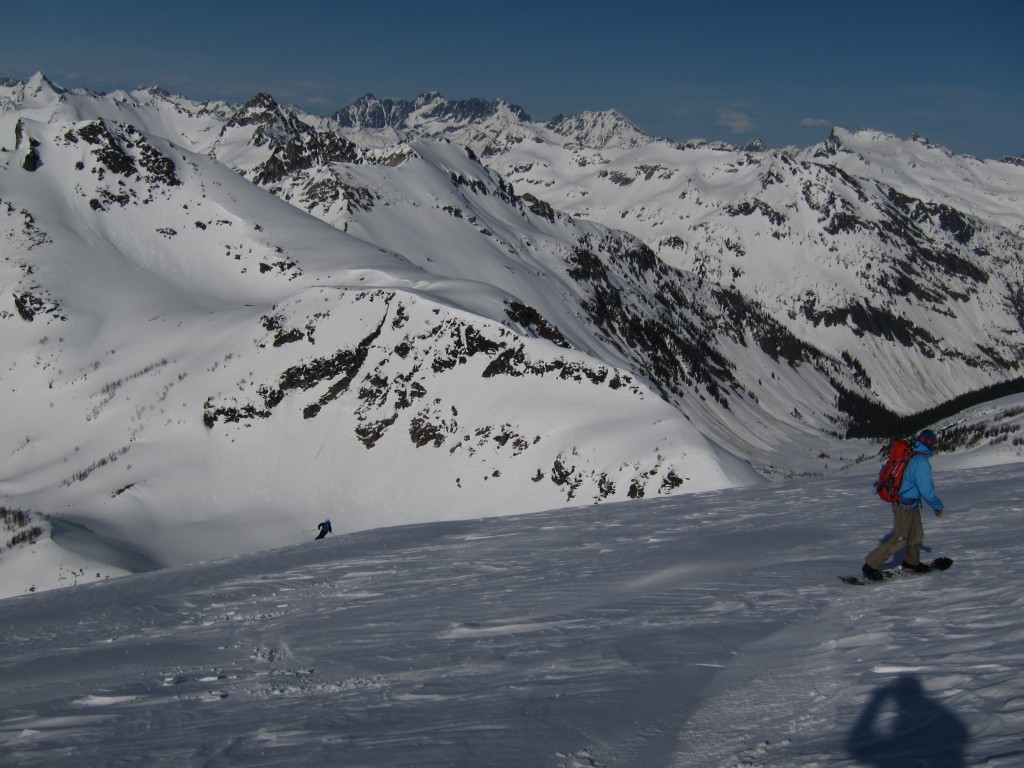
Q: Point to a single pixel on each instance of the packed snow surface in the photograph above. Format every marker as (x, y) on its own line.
(704, 630)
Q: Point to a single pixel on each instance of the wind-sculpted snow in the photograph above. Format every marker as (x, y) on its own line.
(707, 630)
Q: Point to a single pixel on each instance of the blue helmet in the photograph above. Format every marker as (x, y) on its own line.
(927, 437)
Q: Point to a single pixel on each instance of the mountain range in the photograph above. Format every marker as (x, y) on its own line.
(223, 323)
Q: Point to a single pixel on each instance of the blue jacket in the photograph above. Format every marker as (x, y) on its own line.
(917, 480)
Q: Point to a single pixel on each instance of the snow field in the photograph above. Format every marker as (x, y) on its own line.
(706, 630)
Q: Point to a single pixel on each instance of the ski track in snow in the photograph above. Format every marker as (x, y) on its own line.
(707, 630)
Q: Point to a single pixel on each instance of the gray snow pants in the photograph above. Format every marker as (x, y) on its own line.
(907, 531)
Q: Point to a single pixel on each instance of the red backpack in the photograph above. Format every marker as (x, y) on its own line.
(891, 475)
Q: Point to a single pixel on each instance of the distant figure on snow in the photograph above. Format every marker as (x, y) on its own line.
(325, 528)
(907, 529)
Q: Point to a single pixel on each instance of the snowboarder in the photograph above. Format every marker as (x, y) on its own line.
(325, 528)
(907, 528)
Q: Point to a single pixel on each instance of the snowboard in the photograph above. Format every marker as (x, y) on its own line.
(938, 564)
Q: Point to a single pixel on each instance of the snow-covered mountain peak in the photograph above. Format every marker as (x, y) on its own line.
(35, 94)
(268, 142)
(39, 89)
(370, 113)
(429, 113)
(261, 109)
(461, 113)
(599, 130)
(868, 142)
(262, 121)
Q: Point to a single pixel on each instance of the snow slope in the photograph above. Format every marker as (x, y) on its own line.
(707, 630)
(190, 364)
(851, 244)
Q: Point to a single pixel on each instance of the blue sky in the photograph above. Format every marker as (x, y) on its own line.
(784, 72)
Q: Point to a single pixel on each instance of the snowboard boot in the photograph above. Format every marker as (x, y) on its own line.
(916, 567)
(871, 574)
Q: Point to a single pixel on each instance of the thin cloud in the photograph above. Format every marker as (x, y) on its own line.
(815, 122)
(736, 121)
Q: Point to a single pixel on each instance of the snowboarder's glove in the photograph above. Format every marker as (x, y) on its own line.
(938, 512)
